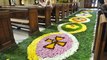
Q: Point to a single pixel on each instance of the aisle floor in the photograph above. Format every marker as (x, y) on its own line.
(20, 35)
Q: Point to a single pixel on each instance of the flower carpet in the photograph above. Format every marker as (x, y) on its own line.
(79, 20)
(53, 46)
(83, 15)
(72, 27)
(66, 40)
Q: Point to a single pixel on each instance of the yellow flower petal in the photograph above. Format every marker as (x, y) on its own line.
(72, 26)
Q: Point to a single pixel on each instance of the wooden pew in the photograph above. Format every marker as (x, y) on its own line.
(73, 7)
(70, 8)
(56, 11)
(44, 15)
(24, 16)
(66, 9)
(76, 6)
(61, 10)
(6, 33)
(101, 38)
(88, 3)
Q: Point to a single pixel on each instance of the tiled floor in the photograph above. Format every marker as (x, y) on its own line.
(19, 35)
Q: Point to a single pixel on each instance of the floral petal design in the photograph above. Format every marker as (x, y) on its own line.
(50, 46)
(58, 38)
(80, 28)
(66, 46)
(79, 20)
(83, 15)
(86, 11)
(61, 43)
(72, 26)
(54, 42)
(49, 40)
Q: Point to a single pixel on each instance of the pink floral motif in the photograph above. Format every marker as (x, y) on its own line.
(58, 50)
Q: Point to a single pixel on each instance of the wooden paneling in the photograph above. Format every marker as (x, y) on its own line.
(6, 34)
(33, 20)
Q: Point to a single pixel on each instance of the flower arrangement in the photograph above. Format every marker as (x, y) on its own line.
(72, 27)
(79, 20)
(83, 15)
(52, 46)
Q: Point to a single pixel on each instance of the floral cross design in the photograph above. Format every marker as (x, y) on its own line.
(53, 42)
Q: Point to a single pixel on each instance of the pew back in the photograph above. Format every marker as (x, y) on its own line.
(24, 16)
(101, 38)
(6, 33)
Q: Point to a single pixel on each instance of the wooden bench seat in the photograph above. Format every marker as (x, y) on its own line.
(41, 17)
(19, 26)
(20, 21)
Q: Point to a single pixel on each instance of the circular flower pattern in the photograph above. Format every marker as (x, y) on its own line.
(52, 46)
(83, 15)
(72, 27)
(86, 11)
(79, 20)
